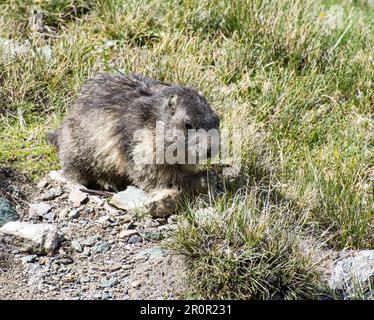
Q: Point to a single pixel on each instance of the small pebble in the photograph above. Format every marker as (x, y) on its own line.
(73, 214)
(77, 246)
(108, 283)
(135, 239)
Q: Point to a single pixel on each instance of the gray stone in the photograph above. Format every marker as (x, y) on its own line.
(102, 247)
(130, 199)
(86, 251)
(42, 183)
(126, 218)
(354, 274)
(152, 253)
(28, 259)
(78, 197)
(52, 193)
(151, 223)
(135, 239)
(39, 209)
(136, 284)
(7, 212)
(173, 219)
(90, 241)
(11, 48)
(151, 234)
(108, 283)
(38, 238)
(127, 233)
(63, 213)
(106, 296)
(50, 216)
(77, 246)
(14, 190)
(73, 214)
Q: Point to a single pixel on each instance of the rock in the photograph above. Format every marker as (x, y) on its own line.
(11, 48)
(86, 251)
(14, 190)
(151, 223)
(52, 193)
(103, 219)
(73, 214)
(65, 260)
(152, 253)
(128, 226)
(89, 242)
(353, 275)
(135, 239)
(63, 213)
(126, 218)
(152, 234)
(99, 201)
(37, 238)
(57, 176)
(77, 246)
(7, 212)
(136, 284)
(130, 199)
(127, 233)
(106, 296)
(111, 210)
(43, 183)
(108, 283)
(49, 217)
(173, 219)
(163, 203)
(39, 209)
(102, 247)
(115, 267)
(28, 259)
(78, 197)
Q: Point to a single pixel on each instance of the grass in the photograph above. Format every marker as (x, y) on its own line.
(298, 74)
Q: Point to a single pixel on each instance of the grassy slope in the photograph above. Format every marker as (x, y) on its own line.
(301, 83)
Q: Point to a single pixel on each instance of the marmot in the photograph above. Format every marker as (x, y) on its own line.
(96, 144)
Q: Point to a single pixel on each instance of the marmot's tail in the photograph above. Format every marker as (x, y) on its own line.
(52, 137)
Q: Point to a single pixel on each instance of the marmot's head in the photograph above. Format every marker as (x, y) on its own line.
(191, 125)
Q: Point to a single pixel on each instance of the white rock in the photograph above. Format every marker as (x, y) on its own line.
(63, 213)
(77, 197)
(39, 209)
(103, 219)
(12, 49)
(39, 238)
(352, 274)
(127, 233)
(57, 176)
(130, 199)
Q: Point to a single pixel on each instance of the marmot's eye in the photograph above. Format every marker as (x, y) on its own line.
(188, 125)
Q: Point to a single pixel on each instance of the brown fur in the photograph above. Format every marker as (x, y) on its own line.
(95, 141)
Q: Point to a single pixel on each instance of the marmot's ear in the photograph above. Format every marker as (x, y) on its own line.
(173, 103)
